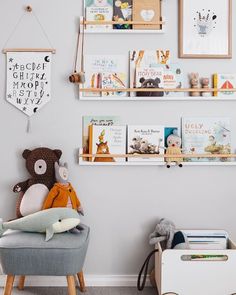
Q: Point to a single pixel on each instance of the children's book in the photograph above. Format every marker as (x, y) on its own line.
(224, 81)
(146, 11)
(145, 140)
(149, 78)
(96, 65)
(96, 120)
(122, 11)
(107, 140)
(114, 81)
(146, 59)
(203, 135)
(173, 78)
(97, 13)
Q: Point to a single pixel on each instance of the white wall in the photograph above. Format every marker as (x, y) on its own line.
(122, 204)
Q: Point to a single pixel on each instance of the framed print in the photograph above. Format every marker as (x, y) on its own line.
(205, 29)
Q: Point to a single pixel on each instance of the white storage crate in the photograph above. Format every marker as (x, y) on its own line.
(177, 273)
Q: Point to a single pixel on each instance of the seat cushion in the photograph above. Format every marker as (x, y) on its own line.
(24, 253)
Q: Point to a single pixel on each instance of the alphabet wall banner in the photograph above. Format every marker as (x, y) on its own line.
(28, 80)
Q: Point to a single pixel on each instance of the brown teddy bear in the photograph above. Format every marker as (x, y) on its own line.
(40, 164)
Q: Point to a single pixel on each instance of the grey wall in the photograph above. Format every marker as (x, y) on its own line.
(121, 204)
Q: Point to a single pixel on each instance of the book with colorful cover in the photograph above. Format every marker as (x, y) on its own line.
(107, 140)
(114, 81)
(145, 140)
(147, 11)
(122, 11)
(224, 81)
(206, 135)
(96, 65)
(146, 59)
(96, 120)
(99, 13)
(173, 78)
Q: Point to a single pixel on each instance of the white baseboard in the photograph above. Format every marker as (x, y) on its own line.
(90, 280)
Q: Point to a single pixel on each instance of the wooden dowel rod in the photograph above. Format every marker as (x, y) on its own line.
(158, 156)
(29, 50)
(155, 90)
(86, 22)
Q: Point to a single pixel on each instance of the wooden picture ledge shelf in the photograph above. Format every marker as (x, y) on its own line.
(83, 162)
(156, 90)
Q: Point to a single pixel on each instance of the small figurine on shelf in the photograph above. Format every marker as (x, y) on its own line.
(174, 143)
(205, 85)
(194, 82)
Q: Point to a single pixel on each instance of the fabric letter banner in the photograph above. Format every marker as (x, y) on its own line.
(28, 80)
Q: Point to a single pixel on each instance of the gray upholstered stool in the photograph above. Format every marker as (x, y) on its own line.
(25, 254)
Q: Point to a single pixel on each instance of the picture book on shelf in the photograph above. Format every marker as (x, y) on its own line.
(107, 140)
(147, 11)
(173, 78)
(122, 11)
(149, 78)
(224, 81)
(96, 65)
(96, 120)
(206, 135)
(145, 140)
(140, 59)
(114, 81)
(96, 13)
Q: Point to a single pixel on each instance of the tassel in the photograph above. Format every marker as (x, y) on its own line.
(28, 125)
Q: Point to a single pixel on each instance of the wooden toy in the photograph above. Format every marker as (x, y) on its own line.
(205, 85)
(194, 82)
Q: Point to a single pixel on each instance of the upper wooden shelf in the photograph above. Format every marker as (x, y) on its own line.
(84, 22)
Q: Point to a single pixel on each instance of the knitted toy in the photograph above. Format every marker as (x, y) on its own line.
(40, 165)
(165, 231)
(62, 194)
(174, 148)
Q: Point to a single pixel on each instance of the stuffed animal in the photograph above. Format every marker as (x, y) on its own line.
(174, 148)
(51, 221)
(62, 194)
(150, 83)
(165, 231)
(40, 165)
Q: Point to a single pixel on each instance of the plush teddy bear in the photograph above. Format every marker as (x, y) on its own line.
(174, 143)
(150, 83)
(62, 194)
(40, 165)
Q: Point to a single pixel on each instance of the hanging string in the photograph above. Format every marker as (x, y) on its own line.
(80, 33)
(42, 28)
(18, 23)
(14, 30)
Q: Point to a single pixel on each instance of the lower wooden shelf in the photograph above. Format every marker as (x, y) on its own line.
(185, 164)
(231, 162)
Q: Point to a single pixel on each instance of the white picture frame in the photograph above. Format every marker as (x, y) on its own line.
(205, 29)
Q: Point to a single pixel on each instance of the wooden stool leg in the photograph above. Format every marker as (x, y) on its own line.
(9, 285)
(81, 281)
(21, 284)
(71, 285)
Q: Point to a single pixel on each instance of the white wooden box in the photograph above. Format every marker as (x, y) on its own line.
(177, 276)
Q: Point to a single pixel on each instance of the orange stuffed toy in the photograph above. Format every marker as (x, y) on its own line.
(62, 194)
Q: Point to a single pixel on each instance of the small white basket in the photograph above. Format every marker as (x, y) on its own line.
(176, 273)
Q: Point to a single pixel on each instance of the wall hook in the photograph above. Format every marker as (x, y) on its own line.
(29, 8)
